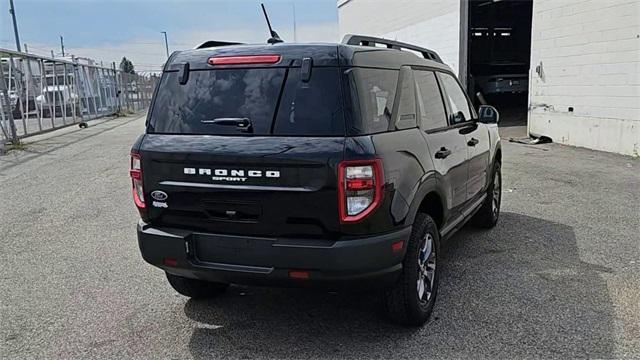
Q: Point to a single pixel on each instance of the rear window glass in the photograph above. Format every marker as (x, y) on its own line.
(374, 90)
(257, 94)
(313, 107)
(406, 112)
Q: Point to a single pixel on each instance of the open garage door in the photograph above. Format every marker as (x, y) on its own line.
(498, 55)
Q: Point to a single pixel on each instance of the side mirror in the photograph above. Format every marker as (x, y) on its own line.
(458, 117)
(487, 114)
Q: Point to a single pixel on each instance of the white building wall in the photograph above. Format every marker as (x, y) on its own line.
(588, 58)
(433, 24)
(588, 53)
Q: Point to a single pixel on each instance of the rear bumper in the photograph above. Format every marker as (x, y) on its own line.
(363, 263)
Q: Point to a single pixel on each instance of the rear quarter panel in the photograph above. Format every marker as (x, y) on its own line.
(408, 171)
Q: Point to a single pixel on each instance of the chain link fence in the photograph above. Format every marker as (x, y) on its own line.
(39, 94)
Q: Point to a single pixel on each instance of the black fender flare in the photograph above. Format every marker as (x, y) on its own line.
(495, 154)
(492, 164)
(426, 186)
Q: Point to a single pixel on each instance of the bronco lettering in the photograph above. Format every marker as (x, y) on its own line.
(232, 174)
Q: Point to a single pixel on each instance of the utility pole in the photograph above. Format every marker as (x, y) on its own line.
(166, 43)
(117, 86)
(52, 56)
(26, 49)
(12, 11)
(62, 44)
(295, 37)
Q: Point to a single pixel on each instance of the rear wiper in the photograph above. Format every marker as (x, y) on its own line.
(243, 124)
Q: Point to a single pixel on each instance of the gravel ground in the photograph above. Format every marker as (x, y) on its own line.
(558, 277)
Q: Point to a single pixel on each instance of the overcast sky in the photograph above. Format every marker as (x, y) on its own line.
(109, 29)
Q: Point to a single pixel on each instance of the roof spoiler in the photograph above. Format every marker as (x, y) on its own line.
(361, 40)
(214, 43)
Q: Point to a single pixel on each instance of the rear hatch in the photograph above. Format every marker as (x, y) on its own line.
(246, 145)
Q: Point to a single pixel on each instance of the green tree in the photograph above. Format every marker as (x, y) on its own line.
(127, 66)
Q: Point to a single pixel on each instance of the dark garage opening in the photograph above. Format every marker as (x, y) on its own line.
(499, 53)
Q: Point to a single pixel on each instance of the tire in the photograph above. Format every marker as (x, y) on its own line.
(405, 303)
(197, 289)
(487, 216)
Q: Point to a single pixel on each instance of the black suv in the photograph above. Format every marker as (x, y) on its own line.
(329, 165)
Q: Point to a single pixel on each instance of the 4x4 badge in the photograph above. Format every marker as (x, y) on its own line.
(159, 195)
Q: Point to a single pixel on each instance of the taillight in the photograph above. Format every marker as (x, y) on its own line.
(244, 59)
(136, 180)
(359, 188)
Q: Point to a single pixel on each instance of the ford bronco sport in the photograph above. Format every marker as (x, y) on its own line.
(328, 165)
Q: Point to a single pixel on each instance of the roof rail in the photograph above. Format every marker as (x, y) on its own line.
(214, 43)
(361, 40)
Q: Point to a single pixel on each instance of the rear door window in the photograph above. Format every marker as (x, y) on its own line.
(274, 100)
(430, 103)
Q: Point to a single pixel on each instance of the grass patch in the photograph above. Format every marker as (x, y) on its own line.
(6, 148)
(16, 146)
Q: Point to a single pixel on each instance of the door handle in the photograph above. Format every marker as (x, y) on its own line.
(443, 153)
(473, 142)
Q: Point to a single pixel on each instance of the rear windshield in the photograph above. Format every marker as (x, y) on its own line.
(273, 100)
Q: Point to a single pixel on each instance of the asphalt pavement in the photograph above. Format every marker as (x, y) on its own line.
(559, 277)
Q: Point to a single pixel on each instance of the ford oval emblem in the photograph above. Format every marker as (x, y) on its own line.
(159, 195)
